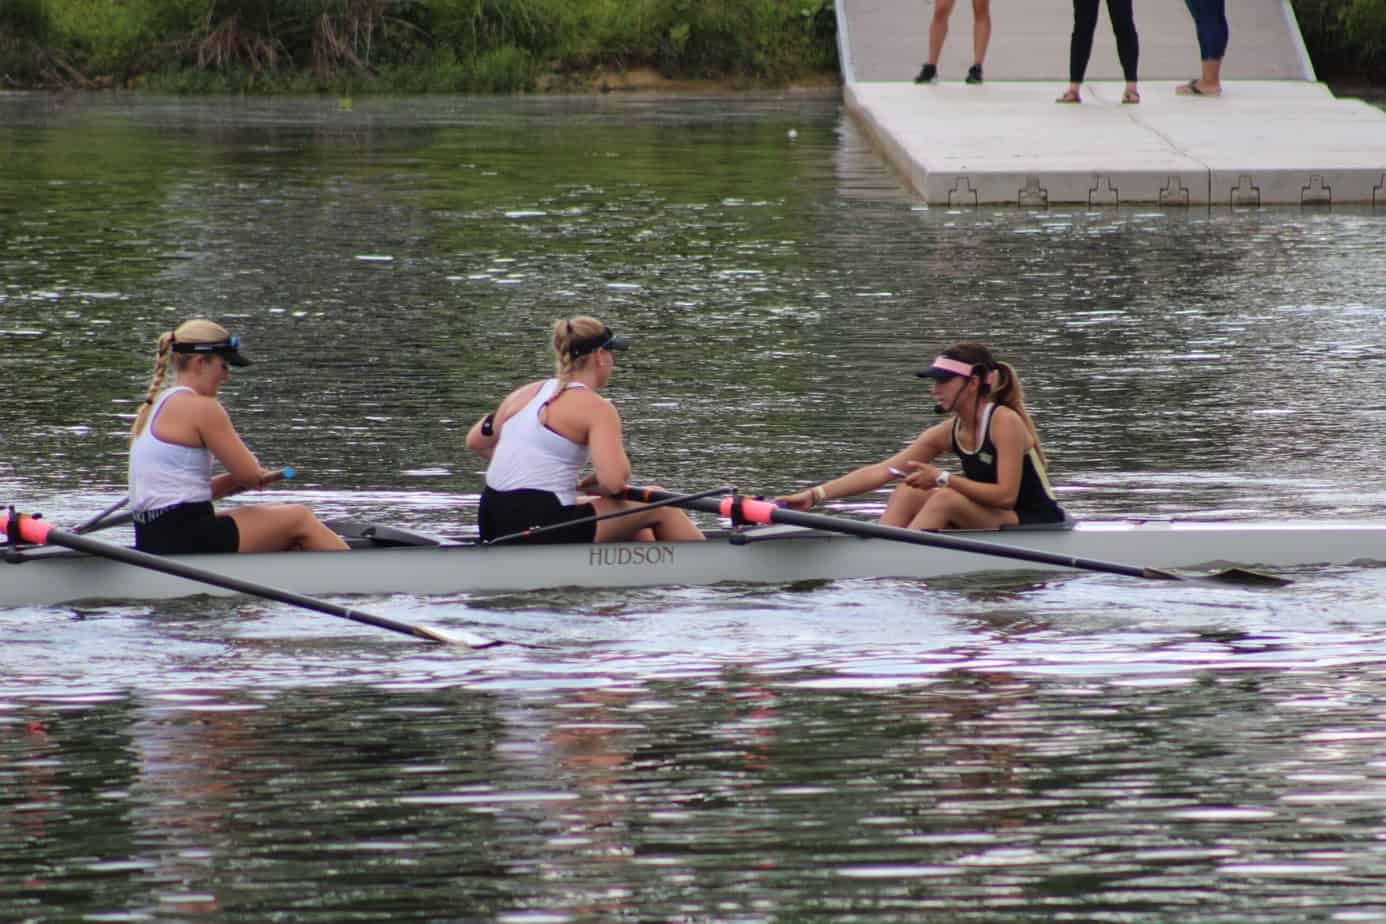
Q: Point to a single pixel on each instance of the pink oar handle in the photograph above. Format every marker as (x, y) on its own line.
(29, 529)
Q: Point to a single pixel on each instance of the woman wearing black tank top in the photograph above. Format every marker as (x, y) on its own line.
(1003, 480)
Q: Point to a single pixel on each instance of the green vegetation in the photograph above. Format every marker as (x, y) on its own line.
(1346, 38)
(407, 45)
(495, 46)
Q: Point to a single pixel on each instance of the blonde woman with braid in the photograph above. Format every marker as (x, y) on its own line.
(544, 434)
(1003, 480)
(176, 435)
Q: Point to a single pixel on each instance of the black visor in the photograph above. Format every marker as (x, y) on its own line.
(606, 340)
(228, 349)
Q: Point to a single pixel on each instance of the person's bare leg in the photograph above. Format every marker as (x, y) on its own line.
(1210, 81)
(284, 527)
(938, 29)
(947, 509)
(905, 503)
(665, 524)
(981, 30)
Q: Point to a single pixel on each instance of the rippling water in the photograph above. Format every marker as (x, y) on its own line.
(1076, 747)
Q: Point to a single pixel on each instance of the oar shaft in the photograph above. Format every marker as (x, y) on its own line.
(750, 510)
(40, 533)
(672, 499)
(96, 522)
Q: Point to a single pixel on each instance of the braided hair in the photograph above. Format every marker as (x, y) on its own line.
(198, 330)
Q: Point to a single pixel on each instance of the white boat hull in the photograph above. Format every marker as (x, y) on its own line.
(775, 555)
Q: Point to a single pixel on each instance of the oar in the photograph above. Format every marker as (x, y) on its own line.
(96, 523)
(749, 510)
(104, 520)
(24, 528)
(673, 499)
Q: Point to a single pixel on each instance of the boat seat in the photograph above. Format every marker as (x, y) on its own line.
(359, 535)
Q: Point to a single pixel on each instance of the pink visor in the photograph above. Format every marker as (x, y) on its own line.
(944, 367)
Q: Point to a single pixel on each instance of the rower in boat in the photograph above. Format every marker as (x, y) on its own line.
(176, 434)
(1003, 480)
(542, 436)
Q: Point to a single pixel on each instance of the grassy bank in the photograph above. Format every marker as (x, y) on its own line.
(408, 45)
(488, 46)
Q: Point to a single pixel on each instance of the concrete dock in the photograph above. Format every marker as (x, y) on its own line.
(1274, 137)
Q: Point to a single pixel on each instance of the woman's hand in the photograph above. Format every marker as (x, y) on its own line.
(799, 500)
(922, 475)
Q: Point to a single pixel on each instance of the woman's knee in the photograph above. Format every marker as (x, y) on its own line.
(904, 503)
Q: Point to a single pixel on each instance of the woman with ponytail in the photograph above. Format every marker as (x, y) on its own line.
(545, 433)
(1003, 480)
(177, 433)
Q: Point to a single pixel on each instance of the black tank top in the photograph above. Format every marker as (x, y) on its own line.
(1035, 503)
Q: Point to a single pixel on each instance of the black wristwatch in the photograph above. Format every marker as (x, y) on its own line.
(488, 427)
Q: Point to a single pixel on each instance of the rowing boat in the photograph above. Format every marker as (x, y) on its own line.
(388, 561)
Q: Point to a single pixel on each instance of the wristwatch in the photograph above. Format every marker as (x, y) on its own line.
(942, 480)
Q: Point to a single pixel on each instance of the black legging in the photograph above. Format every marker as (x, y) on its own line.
(1085, 24)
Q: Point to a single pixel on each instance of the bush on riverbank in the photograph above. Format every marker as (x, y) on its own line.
(1346, 38)
(486, 45)
(408, 45)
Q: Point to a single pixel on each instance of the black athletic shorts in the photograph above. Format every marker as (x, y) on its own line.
(1050, 514)
(506, 512)
(186, 529)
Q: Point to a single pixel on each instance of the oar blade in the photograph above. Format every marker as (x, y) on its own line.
(1249, 578)
(1243, 577)
(456, 638)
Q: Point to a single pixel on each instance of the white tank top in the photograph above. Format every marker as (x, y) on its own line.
(530, 455)
(163, 474)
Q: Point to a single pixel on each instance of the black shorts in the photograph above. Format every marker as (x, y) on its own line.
(506, 512)
(188, 529)
(1051, 514)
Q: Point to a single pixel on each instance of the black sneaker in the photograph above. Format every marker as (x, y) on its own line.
(974, 74)
(927, 74)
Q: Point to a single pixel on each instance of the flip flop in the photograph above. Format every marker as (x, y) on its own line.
(1191, 89)
(1069, 96)
(1130, 97)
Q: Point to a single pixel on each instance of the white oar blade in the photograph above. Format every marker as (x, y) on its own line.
(457, 638)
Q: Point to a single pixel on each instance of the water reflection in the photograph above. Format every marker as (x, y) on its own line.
(742, 796)
(1010, 748)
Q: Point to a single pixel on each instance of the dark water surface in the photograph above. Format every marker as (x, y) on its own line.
(1007, 749)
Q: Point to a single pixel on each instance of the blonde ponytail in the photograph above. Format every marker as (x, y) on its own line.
(156, 383)
(565, 333)
(197, 330)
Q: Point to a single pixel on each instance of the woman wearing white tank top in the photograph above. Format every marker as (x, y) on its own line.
(542, 437)
(172, 443)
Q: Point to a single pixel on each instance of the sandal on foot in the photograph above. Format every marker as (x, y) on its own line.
(1069, 96)
(1130, 96)
(1191, 89)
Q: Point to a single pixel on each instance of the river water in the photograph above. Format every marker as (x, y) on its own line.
(1007, 749)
